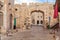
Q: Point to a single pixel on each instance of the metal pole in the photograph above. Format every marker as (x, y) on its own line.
(49, 15)
(49, 20)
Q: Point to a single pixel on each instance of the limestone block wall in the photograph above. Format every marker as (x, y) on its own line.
(25, 12)
(46, 8)
(16, 14)
(7, 10)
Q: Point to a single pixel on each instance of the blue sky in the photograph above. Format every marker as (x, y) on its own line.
(29, 1)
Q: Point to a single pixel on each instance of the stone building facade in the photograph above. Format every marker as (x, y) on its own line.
(5, 14)
(34, 14)
(26, 15)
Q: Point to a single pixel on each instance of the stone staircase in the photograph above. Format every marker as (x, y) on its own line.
(55, 27)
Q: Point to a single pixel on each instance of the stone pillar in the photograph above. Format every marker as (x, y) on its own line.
(4, 21)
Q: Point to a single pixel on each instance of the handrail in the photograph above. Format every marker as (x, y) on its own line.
(55, 26)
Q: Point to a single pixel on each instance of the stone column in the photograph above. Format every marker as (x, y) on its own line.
(4, 21)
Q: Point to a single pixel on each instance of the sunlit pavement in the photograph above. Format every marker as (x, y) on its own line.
(35, 33)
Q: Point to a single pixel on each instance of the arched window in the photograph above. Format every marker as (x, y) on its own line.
(41, 22)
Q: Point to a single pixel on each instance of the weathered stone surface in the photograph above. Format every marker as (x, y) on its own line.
(26, 11)
(35, 33)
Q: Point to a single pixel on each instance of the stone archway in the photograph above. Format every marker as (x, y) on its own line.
(37, 17)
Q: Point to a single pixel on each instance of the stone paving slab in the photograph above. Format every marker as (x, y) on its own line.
(35, 33)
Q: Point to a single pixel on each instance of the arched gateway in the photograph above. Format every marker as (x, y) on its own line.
(37, 17)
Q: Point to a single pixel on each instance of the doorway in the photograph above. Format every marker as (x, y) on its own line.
(37, 22)
(37, 16)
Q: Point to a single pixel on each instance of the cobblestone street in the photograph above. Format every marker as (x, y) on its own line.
(35, 33)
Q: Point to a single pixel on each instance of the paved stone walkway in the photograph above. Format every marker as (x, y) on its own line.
(35, 33)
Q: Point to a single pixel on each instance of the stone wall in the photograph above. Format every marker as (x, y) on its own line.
(7, 10)
(25, 12)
